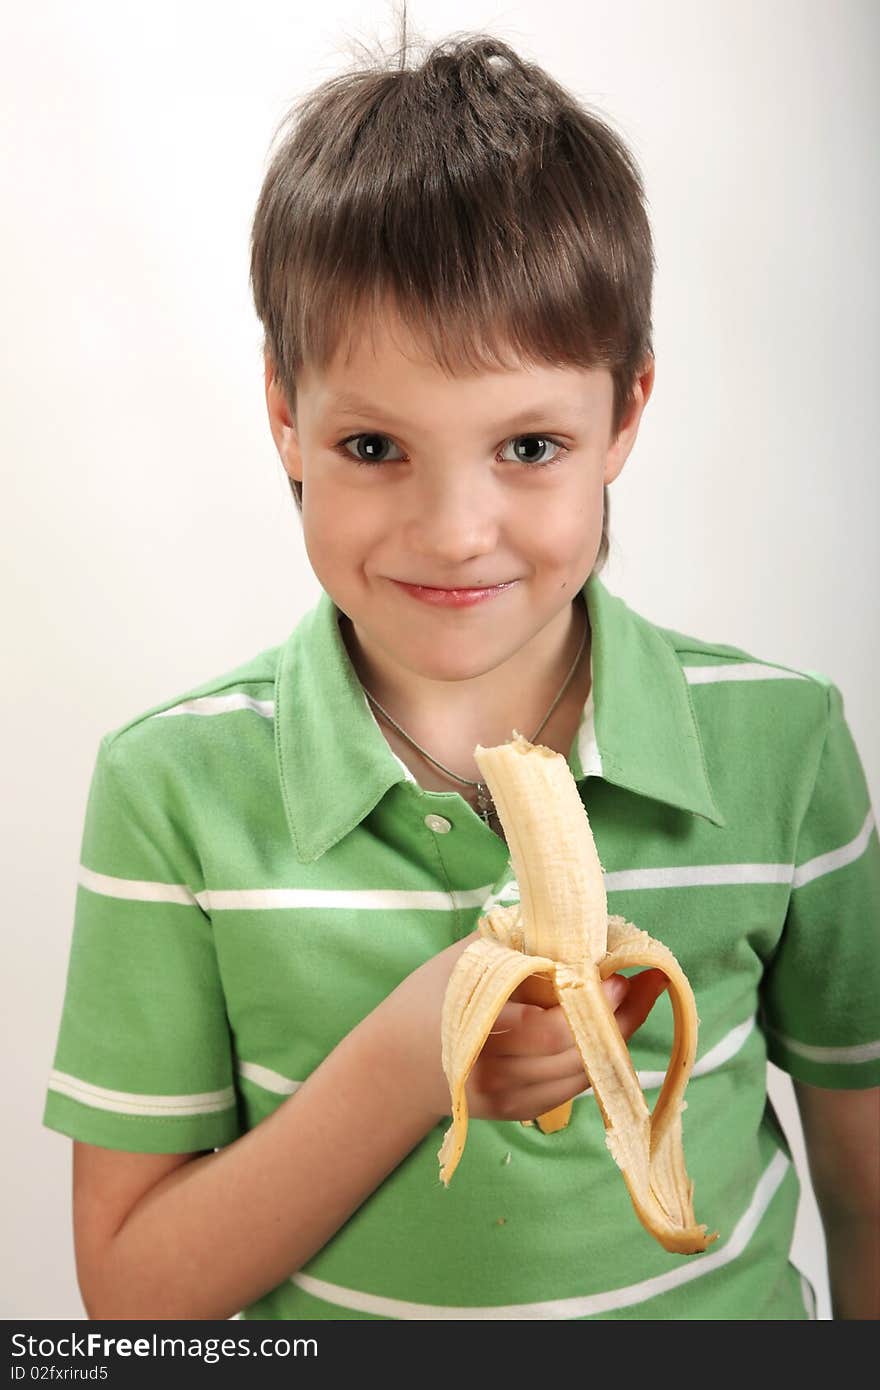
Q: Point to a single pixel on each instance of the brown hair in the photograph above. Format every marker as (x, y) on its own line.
(478, 196)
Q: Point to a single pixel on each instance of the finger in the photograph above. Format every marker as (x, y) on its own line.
(517, 1073)
(645, 990)
(533, 1101)
(535, 989)
(616, 989)
(519, 1027)
(528, 1030)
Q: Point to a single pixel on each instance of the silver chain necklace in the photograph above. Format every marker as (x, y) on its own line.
(485, 806)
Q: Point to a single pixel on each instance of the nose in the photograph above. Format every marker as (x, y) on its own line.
(454, 516)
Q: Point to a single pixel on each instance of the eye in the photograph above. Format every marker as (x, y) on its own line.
(370, 448)
(542, 441)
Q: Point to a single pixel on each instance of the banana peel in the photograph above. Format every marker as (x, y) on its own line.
(561, 939)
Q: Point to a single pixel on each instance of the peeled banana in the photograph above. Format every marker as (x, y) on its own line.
(561, 935)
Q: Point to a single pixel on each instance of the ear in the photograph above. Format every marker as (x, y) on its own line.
(281, 422)
(619, 448)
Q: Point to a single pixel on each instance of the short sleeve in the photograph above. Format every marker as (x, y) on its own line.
(821, 991)
(144, 1060)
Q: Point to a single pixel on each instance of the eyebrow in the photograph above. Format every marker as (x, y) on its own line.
(348, 400)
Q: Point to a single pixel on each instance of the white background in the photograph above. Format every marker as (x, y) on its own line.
(151, 541)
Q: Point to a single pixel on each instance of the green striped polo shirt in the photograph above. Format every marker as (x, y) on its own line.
(259, 870)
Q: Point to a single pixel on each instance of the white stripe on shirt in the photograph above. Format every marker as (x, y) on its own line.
(135, 890)
(269, 1080)
(399, 899)
(860, 1052)
(722, 1052)
(220, 704)
(835, 858)
(343, 899)
(138, 1103)
(739, 671)
(582, 1305)
(697, 876)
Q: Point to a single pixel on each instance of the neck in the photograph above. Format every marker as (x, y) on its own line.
(448, 718)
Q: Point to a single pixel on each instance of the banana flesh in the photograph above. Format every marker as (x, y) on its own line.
(561, 939)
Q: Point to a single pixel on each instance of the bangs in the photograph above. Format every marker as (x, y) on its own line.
(494, 327)
(482, 274)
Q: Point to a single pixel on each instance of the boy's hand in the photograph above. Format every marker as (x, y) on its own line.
(528, 1065)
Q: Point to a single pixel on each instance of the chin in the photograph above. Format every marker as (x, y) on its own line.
(443, 664)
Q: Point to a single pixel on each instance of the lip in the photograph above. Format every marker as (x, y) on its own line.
(454, 598)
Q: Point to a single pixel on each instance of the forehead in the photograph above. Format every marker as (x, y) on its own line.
(381, 362)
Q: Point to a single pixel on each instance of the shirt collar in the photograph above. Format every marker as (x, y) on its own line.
(646, 731)
(335, 764)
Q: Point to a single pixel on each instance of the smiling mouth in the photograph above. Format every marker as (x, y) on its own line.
(456, 588)
(436, 597)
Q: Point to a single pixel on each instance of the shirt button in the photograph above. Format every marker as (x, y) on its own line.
(439, 824)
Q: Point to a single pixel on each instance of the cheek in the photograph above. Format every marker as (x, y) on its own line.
(339, 526)
(568, 532)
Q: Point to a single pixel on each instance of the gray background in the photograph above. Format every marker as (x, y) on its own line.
(151, 541)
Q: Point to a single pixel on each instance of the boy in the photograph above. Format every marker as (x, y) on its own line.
(453, 268)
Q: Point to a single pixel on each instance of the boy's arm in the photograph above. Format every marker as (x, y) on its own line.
(201, 1236)
(842, 1136)
(215, 1231)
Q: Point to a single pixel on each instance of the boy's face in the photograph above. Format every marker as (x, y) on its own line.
(468, 489)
